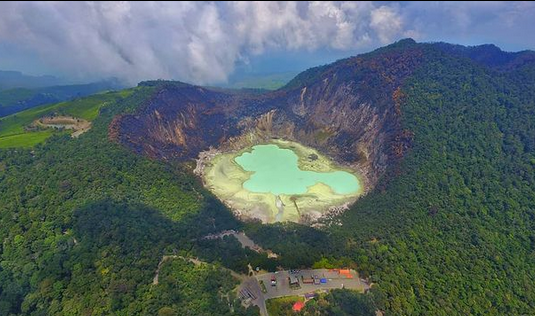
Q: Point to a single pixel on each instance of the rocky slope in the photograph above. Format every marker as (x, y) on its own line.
(349, 110)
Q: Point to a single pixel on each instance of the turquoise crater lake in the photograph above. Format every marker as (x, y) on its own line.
(275, 170)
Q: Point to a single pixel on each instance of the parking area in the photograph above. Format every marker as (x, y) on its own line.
(250, 292)
(310, 281)
(256, 290)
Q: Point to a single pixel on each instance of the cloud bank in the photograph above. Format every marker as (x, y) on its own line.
(201, 42)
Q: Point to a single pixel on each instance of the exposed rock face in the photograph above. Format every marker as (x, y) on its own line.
(349, 110)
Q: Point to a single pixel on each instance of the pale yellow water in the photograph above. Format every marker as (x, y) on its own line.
(280, 181)
(275, 170)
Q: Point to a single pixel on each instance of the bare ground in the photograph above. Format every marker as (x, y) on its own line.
(77, 125)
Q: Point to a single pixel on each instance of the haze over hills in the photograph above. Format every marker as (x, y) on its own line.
(268, 81)
(442, 136)
(13, 100)
(16, 79)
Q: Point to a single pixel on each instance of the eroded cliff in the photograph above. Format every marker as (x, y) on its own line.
(349, 110)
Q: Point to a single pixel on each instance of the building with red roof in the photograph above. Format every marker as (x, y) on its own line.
(298, 306)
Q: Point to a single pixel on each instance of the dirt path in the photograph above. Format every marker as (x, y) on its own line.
(157, 275)
(244, 240)
(195, 261)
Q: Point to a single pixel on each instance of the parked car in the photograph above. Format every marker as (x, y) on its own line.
(273, 280)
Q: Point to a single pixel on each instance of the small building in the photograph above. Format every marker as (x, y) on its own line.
(298, 306)
(346, 273)
(294, 281)
(307, 280)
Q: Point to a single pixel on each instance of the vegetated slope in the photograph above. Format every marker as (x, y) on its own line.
(490, 55)
(447, 231)
(452, 231)
(454, 216)
(18, 99)
(85, 222)
(15, 131)
(455, 229)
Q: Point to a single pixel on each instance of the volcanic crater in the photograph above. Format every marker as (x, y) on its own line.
(349, 111)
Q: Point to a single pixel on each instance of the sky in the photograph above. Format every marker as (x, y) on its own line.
(207, 42)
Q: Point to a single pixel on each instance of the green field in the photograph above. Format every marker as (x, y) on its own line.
(87, 108)
(25, 139)
(13, 134)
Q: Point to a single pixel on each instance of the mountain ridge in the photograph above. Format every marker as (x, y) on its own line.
(312, 114)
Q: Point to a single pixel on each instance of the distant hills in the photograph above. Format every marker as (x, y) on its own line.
(267, 81)
(16, 79)
(23, 92)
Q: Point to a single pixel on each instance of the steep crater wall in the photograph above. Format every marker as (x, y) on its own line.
(349, 111)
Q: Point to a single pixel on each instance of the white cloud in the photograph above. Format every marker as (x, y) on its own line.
(387, 23)
(201, 42)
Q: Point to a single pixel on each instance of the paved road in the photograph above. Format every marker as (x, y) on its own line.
(251, 293)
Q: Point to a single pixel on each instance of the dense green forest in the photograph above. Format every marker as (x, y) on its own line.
(448, 231)
(84, 224)
(455, 229)
(451, 230)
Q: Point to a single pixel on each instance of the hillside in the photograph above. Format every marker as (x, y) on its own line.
(443, 134)
(18, 99)
(93, 213)
(16, 130)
